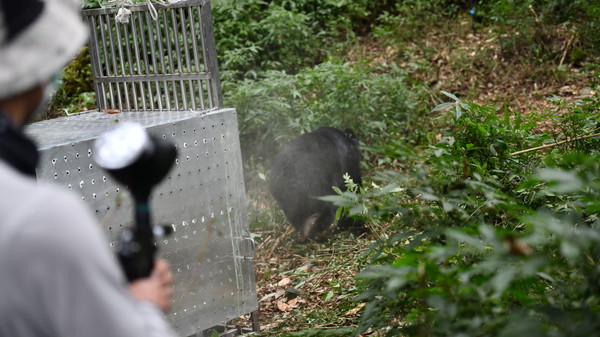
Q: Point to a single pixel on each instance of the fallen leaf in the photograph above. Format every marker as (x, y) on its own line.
(303, 269)
(111, 111)
(279, 293)
(355, 310)
(284, 282)
(282, 306)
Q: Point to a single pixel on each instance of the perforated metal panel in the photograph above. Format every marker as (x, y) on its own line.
(202, 198)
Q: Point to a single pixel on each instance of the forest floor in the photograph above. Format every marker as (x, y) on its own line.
(311, 286)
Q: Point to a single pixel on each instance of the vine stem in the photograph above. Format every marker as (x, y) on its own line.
(554, 144)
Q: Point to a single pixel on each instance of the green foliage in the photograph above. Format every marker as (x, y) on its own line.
(408, 19)
(279, 106)
(472, 246)
(75, 92)
(556, 31)
(535, 28)
(255, 35)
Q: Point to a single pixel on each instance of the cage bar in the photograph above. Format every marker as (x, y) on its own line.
(155, 65)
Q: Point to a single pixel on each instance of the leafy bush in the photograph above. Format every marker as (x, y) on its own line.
(255, 35)
(471, 246)
(278, 107)
(76, 90)
(546, 30)
(410, 18)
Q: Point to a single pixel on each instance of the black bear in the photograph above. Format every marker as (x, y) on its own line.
(306, 169)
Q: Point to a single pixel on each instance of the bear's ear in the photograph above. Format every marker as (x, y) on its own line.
(350, 134)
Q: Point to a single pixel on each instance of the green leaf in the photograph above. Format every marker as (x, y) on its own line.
(464, 238)
(450, 95)
(358, 210)
(502, 279)
(562, 181)
(570, 251)
(444, 106)
(394, 285)
(337, 190)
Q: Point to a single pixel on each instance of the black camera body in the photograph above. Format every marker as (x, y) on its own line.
(138, 161)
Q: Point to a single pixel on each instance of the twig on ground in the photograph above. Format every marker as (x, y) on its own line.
(566, 50)
(288, 232)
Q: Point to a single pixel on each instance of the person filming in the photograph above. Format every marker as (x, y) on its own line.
(58, 276)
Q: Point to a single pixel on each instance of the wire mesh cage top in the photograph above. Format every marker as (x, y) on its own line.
(155, 60)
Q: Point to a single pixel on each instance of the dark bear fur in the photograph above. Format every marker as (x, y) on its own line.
(307, 168)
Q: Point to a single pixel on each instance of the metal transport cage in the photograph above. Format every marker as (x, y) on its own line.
(166, 61)
(162, 72)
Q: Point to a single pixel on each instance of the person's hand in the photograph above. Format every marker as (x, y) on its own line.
(157, 287)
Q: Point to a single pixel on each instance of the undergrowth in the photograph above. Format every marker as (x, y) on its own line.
(477, 239)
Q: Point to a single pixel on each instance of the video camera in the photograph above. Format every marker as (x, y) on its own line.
(139, 161)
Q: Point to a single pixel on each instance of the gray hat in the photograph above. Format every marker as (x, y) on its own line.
(37, 39)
